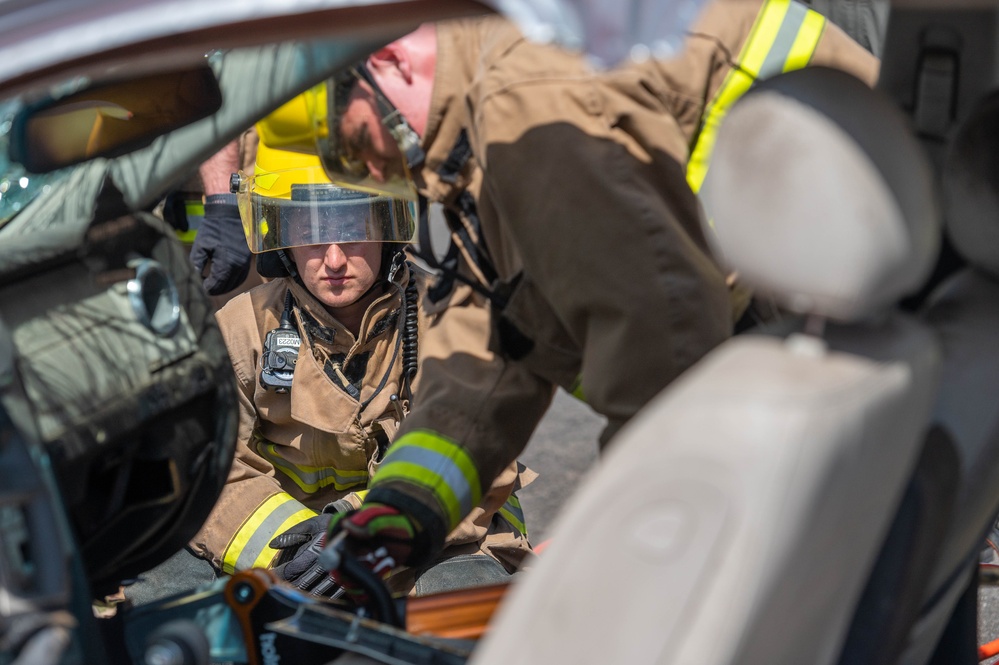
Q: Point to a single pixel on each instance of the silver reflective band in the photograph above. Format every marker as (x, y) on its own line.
(153, 297)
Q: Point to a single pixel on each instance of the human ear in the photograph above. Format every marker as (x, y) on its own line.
(392, 58)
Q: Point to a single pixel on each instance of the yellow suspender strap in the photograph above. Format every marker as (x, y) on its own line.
(783, 38)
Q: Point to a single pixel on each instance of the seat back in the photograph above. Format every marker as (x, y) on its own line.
(736, 519)
(964, 312)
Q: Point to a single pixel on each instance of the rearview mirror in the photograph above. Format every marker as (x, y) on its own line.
(111, 119)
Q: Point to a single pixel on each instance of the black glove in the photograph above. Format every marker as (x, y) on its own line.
(221, 241)
(380, 537)
(300, 547)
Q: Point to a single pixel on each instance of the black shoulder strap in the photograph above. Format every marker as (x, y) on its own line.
(460, 153)
(462, 207)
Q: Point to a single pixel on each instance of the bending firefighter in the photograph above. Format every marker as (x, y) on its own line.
(578, 257)
(326, 362)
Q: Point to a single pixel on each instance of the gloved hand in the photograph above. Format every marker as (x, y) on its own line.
(380, 537)
(221, 241)
(298, 561)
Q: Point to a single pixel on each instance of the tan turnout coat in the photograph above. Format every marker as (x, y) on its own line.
(581, 185)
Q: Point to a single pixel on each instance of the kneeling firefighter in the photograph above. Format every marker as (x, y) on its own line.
(326, 360)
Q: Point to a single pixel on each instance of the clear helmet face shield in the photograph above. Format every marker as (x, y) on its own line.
(361, 139)
(300, 207)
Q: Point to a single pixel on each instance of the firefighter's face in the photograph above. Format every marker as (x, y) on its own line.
(338, 274)
(366, 139)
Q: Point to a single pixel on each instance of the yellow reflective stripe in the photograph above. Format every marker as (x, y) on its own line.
(437, 464)
(513, 513)
(410, 472)
(784, 37)
(806, 41)
(311, 479)
(195, 212)
(248, 547)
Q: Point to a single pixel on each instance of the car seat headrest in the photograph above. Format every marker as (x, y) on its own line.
(971, 187)
(819, 195)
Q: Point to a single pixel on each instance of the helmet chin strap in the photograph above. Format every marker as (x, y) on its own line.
(392, 260)
(288, 264)
(393, 119)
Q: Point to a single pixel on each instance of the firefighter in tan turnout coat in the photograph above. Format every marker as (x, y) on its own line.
(326, 363)
(571, 194)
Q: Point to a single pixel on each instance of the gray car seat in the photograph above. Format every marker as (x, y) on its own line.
(738, 517)
(964, 311)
